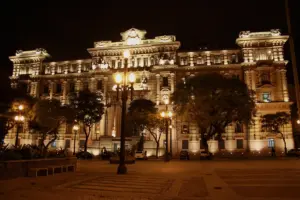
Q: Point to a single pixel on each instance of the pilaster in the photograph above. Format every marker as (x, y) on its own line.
(157, 89)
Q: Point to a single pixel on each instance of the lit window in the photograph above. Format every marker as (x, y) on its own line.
(145, 61)
(266, 97)
(138, 62)
(53, 144)
(113, 63)
(271, 143)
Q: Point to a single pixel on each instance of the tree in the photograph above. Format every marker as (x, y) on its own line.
(88, 110)
(273, 123)
(9, 101)
(213, 102)
(46, 117)
(143, 115)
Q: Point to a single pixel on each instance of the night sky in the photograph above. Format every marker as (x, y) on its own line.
(66, 29)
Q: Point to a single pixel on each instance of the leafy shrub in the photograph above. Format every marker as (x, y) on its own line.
(10, 155)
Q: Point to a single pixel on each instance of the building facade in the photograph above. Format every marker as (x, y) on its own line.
(159, 66)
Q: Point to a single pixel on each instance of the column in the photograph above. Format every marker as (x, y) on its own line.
(51, 89)
(191, 60)
(79, 68)
(157, 89)
(33, 89)
(253, 83)
(225, 59)
(279, 88)
(250, 54)
(142, 61)
(230, 143)
(172, 82)
(65, 91)
(247, 78)
(66, 68)
(275, 53)
(52, 69)
(105, 89)
(135, 62)
(92, 84)
(284, 85)
(194, 143)
(208, 59)
(245, 52)
(78, 85)
(280, 53)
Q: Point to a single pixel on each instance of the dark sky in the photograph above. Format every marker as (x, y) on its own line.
(66, 29)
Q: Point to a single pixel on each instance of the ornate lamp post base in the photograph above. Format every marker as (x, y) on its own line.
(122, 169)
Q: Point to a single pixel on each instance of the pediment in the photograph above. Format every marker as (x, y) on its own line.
(268, 85)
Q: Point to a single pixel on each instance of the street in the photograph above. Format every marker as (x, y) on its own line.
(239, 179)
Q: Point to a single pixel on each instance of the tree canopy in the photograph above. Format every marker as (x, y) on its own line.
(213, 102)
(88, 110)
(273, 123)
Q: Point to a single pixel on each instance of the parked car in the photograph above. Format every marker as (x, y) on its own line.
(141, 155)
(84, 155)
(184, 155)
(205, 154)
(294, 152)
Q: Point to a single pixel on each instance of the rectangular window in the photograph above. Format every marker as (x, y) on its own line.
(53, 144)
(146, 62)
(67, 143)
(72, 87)
(132, 63)
(99, 85)
(271, 143)
(185, 129)
(81, 143)
(138, 62)
(46, 89)
(239, 143)
(185, 144)
(119, 64)
(113, 63)
(58, 88)
(238, 128)
(221, 144)
(165, 82)
(266, 97)
(85, 85)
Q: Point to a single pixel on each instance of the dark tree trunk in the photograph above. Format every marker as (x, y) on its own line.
(204, 142)
(283, 138)
(157, 146)
(85, 143)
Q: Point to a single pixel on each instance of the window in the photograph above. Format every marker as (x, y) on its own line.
(67, 144)
(185, 129)
(145, 61)
(99, 85)
(85, 85)
(81, 143)
(265, 78)
(165, 82)
(113, 63)
(46, 89)
(185, 144)
(266, 97)
(119, 64)
(138, 62)
(132, 63)
(58, 88)
(72, 87)
(271, 143)
(221, 144)
(238, 128)
(239, 143)
(53, 144)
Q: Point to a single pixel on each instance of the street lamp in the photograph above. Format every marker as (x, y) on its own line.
(19, 119)
(75, 129)
(123, 86)
(166, 115)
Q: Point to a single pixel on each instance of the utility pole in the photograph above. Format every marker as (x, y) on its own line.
(293, 57)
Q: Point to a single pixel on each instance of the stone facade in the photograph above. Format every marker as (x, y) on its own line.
(159, 66)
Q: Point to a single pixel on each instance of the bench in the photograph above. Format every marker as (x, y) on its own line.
(69, 167)
(55, 169)
(34, 172)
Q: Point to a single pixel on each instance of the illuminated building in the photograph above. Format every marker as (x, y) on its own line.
(158, 65)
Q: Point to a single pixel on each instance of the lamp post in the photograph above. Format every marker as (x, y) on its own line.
(166, 115)
(19, 119)
(75, 128)
(122, 85)
(171, 152)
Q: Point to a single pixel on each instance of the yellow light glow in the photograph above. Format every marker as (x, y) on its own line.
(126, 54)
(21, 107)
(17, 118)
(170, 114)
(298, 121)
(118, 78)
(22, 118)
(166, 101)
(162, 114)
(75, 127)
(131, 77)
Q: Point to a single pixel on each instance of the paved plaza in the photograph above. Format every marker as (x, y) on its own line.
(238, 179)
